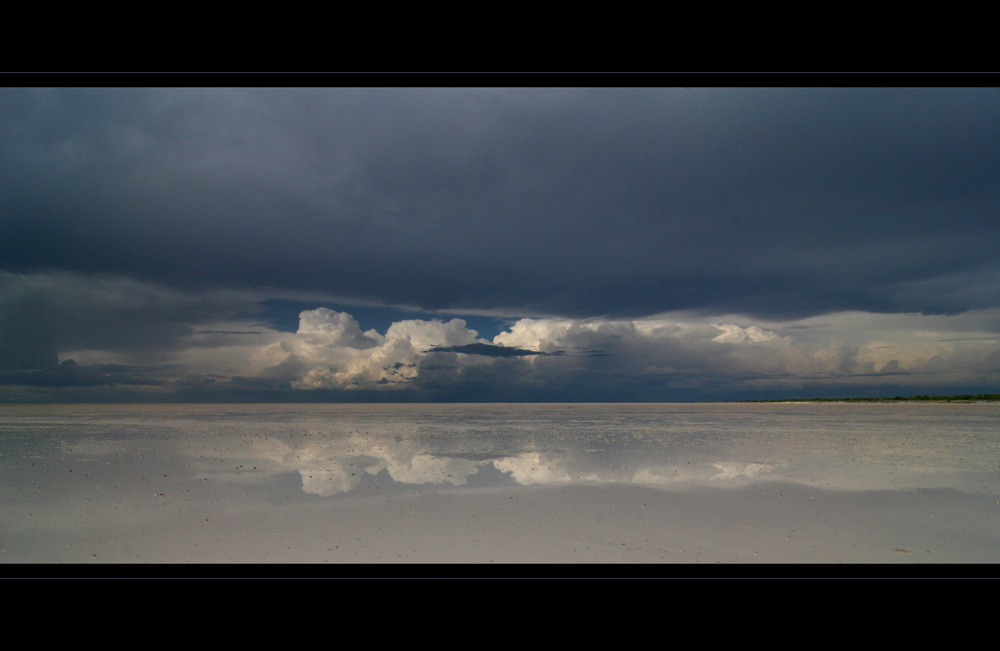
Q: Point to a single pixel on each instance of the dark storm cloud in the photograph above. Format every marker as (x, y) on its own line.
(774, 203)
(42, 315)
(71, 374)
(489, 351)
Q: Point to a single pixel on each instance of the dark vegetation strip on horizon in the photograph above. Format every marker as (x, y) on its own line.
(982, 397)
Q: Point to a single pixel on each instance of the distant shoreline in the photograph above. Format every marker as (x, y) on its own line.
(983, 397)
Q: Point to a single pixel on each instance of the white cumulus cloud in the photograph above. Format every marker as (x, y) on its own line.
(330, 351)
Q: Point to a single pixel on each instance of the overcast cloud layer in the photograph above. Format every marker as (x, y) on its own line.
(652, 244)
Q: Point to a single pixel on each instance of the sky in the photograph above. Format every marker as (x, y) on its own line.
(498, 244)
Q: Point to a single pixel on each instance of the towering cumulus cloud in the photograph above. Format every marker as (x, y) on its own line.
(330, 351)
(643, 358)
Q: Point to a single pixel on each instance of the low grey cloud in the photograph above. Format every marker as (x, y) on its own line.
(70, 374)
(142, 341)
(43, 314)
(489, 350)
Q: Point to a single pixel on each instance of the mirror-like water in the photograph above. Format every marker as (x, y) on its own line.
(500, 482)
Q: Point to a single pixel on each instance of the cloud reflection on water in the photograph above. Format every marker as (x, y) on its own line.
(677, 447)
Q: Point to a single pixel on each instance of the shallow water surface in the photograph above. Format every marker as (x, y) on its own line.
(658, 483)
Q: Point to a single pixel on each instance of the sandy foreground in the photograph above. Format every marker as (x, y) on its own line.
(500, 484)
